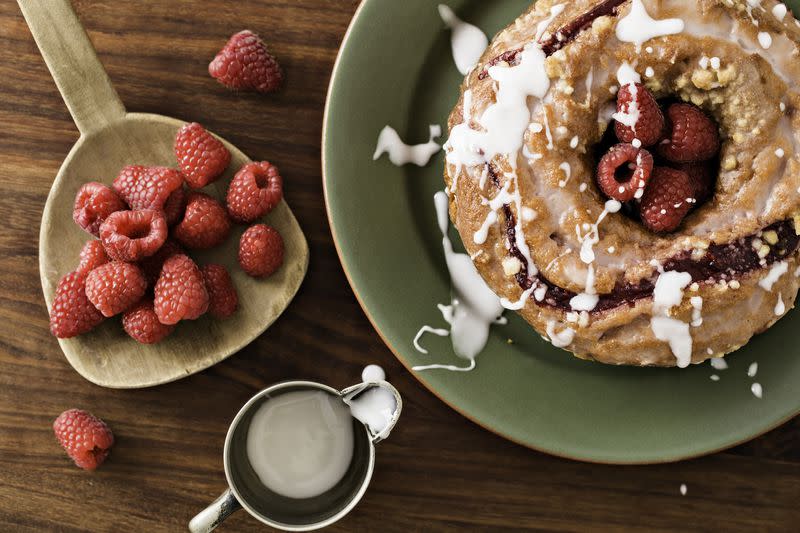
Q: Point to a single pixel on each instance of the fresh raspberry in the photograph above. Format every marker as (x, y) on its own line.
(202, 157)
(246, 64)
(93, 204)
(151, 266)
(667, 200)
(624, 171)
(254, 191)
(703, 178)
(141, 323)
(205, 223)
(92, 256)
(133, 235)
(180, 291)
(692, 136)
(72, 313)
(222, 296)
(635, 100)
(147, 187)
(86, 438)
(115, 287)
(175, 206)
(260, 251)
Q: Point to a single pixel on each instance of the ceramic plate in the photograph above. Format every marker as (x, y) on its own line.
(396, 68)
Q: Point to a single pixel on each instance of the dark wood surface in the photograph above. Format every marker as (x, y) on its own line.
(438, 472)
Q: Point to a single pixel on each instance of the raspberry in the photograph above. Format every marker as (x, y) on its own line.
(92, 256)
(246, 64)
(636, 102)
(260, 251)
(692, 136)
(205, 223)
(86, 438)
(254, 191)
(624, 171)
(175, 206)
(180, 291)
(147, 187)
(115, 287)
(667, 200)
(223, 299)
(201, 156)
(133, 235)
(93, 204)
(151, 266)
(141, 323)
(72, 313)
(702, 177)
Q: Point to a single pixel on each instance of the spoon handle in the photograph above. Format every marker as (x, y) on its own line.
(73, 62)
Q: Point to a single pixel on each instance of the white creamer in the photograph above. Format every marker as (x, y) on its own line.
(300, 444)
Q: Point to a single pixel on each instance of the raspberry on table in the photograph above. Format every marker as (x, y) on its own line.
(624, 171)
(92, 256)
(180, 292)
(635, 101)
(246, 64)
(93, 204)
(72, 313)
(692, 135)
(141, 323)
(133, 235)
(86, 438)
(205, 223)
(667, 200)
(175, 206)
(254, 191)
(223, 298)
(151, 266)
(115, 287)
(147, 187)
(261, 251)
(201, 156)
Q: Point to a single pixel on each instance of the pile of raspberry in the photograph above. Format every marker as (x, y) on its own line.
(147, 222)
(665, 163)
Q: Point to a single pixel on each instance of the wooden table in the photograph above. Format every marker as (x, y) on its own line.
(438, 472)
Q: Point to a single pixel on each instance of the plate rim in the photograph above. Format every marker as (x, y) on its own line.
(396, 353)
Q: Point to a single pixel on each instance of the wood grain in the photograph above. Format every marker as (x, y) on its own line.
(437, 472)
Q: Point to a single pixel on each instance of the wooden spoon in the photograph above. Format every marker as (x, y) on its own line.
(110, 139)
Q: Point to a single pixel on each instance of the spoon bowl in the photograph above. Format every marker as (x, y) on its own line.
(110, 139)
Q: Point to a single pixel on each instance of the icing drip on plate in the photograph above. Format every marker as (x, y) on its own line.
(474, 307)
(467, 41)
(401, 153)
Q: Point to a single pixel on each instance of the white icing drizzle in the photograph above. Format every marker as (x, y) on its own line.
(765, 40)
(757, 390)
(588, 299)
(697, 311)
(780, 306)
(779, 11)
(667, 294)
(719, 363)
(428, 329)
(541, 28)
(774, 274)
(560, 339)
(467, 41)
(638, 26)
(567, 170)
(474, 307)
(401, 153)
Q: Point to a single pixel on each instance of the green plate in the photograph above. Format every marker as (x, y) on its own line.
(395, 67)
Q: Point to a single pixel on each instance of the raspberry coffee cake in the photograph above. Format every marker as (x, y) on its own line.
(625, 174)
